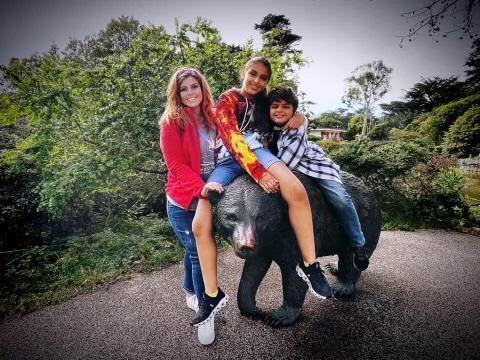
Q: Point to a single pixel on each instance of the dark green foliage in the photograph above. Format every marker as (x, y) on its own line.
(277, 33)
(424, 97)
(473, 65)
(355, 125)
(337, 119)
(414, 187)
(434, 125)
(379, 163)
(92, 115)
(48, 274)
(435, 191)
(463, 137)
(431, 93)
(380, 131)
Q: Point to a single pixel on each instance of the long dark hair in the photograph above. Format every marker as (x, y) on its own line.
(261, 120)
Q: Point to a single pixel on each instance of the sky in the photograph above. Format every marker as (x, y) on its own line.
(337, 35)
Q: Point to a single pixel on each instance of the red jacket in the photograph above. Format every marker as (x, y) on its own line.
(181, 152)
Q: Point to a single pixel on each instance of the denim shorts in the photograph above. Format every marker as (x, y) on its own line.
(229, 169)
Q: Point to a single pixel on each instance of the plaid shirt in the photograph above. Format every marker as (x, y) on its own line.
(306, 156)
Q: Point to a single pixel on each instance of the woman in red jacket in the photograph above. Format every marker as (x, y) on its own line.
(187, 141)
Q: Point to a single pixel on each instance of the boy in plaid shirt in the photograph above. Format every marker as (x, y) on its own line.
(308, 158)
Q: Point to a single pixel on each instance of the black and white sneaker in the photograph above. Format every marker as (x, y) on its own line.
(360, 258)
(315, 279)
(208, 307)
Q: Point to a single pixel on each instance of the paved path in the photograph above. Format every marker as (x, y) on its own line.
(418, 300)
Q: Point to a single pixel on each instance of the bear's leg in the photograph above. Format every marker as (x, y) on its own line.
(294, 291)
(347, 275)
(254, 270)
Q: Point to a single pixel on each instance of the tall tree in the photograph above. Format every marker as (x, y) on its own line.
(473, 67)
(278, 47)
(367, 85)
(93, 112)
(336, 119)
(275, 31)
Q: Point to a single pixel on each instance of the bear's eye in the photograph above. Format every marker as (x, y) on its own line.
(231, 217)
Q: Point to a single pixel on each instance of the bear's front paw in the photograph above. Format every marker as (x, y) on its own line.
(332, 267)
(343, 289)
(283, 316)
(254, 313)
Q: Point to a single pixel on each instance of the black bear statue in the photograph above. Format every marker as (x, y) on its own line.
(256, 224)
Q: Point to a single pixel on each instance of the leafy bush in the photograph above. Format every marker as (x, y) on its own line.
(413, 186)
(329, 145)
(380, 131)
(463, 137)
(435, 192)
(68, 266)
(379, 163)
(436, 123)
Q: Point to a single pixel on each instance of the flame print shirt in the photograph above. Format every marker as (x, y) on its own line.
(234, 118)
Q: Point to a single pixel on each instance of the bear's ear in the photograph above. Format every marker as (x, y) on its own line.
(214, 197)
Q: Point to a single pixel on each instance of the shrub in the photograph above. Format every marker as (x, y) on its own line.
(329, 145)
(436, 123)
(434, 190)
(463, 138)
(379, 163)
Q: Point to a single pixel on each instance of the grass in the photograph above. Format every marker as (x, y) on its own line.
(472, 197)
(472, 190)
(51, 274)
(399, 222)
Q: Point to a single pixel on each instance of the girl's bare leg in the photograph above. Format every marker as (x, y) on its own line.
(202, 227)
(299, 210)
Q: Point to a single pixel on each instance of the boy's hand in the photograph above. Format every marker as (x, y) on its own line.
(295, 121)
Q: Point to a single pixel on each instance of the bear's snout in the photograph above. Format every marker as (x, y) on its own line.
(244, 240)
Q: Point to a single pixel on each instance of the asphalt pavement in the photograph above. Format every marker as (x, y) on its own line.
(419, 299)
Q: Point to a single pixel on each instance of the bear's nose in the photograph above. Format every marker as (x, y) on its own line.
(246, 238)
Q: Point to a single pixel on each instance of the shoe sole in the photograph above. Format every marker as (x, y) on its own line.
(192, 308)
(310, 288)
(216, 309)
(206, 333)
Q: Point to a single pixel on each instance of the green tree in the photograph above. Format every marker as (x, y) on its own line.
(92, 113)
(473, 67)
(367, 85)
(431, 93)
(277, 47)
(336, 119)
(276, 32)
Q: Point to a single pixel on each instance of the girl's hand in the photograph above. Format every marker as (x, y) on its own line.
(295, 121)
(269, 183)
(211, 186)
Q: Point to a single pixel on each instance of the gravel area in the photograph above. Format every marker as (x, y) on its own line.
(419, 299)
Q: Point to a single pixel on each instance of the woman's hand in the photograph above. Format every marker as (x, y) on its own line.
(211, 186)
(295, 121)
(269, 183)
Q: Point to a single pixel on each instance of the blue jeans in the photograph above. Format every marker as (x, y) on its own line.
(341, 202)
(181, 222)
(227, 170)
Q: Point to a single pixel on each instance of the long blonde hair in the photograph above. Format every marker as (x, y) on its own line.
(174, 109)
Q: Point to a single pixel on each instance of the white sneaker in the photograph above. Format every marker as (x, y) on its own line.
(192, 301)
(206, 332)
